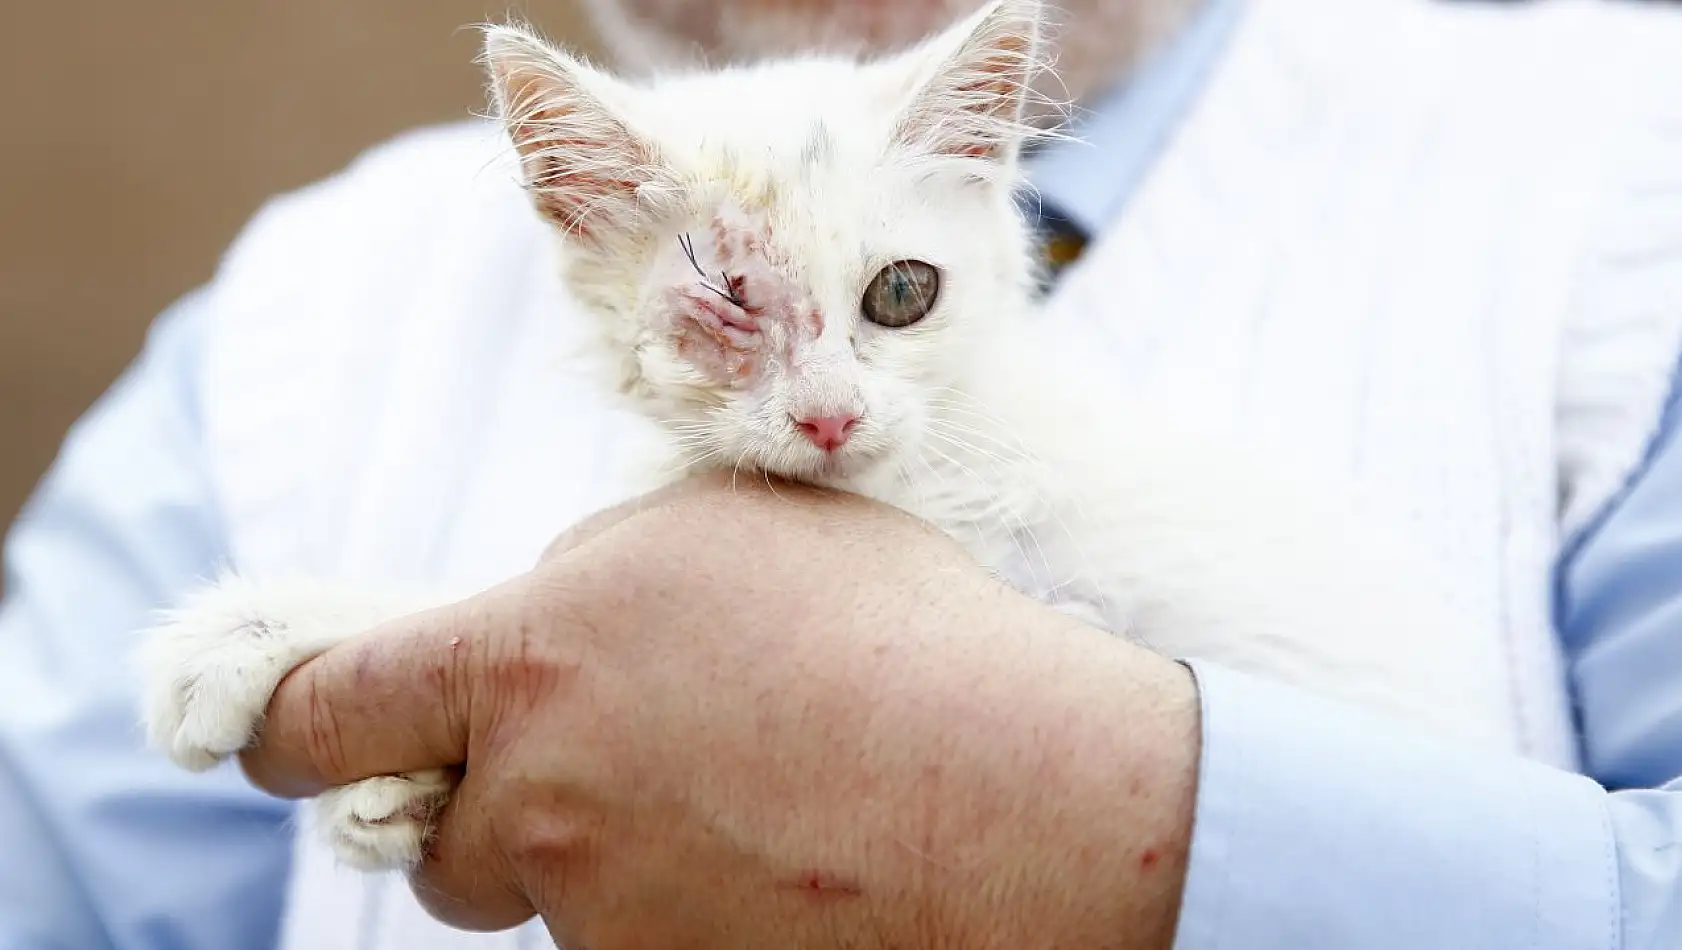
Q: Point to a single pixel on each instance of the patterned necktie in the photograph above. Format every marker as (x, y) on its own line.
(1061, 243)
(1058, 241)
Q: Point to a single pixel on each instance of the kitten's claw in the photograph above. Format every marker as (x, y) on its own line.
(382, 823)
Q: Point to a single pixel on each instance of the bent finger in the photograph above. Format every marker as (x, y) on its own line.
(395, 699)
(465, 879)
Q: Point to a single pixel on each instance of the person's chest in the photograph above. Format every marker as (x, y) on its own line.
(1325, 250)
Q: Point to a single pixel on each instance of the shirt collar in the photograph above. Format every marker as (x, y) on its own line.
(1087, 179)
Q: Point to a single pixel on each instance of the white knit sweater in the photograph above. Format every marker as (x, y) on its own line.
(1438, 246)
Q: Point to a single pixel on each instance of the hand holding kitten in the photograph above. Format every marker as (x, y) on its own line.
(838, 732)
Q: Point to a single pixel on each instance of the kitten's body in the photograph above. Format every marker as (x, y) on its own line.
(839, 291)
(1199, 540)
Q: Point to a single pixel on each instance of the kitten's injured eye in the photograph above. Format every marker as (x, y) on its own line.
(727, 287)
(901, 294)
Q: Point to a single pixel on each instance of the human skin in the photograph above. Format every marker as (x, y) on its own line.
(738, 714)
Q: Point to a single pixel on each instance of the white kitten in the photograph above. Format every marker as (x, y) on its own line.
(816, 267)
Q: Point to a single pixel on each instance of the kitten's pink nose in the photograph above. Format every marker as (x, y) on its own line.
(828, 432)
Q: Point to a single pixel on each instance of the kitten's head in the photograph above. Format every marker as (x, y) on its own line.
(789, 260)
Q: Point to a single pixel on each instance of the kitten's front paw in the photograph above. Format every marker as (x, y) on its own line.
(210, 668)
(382, 823)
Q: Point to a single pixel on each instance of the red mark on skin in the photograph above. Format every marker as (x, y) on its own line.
(818, 884)
(1149, 859)
(731, 242)
(727, 314)
(724, 349)
(363, 669)
(731, 344)
(455, 642)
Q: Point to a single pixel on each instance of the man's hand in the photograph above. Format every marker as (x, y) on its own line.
(766, 716)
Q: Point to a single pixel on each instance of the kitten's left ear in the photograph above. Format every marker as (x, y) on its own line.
(585, 167)
(972, 84)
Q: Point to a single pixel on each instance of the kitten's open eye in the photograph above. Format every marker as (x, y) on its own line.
(901, 294)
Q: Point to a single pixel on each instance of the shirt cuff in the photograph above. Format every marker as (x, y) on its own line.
(1320, 825)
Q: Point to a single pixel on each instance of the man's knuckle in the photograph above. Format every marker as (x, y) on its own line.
(553, 853)
(324, 738)
(534, 658)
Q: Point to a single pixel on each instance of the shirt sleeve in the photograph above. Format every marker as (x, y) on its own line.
(1620, 607)
(1321, 826)
(108, 845)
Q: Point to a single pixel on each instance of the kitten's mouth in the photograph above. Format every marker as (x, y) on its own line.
(829, 467)
(839, 466)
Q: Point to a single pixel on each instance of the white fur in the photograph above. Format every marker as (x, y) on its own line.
(1194, 538)
(977, 419)
(211, 665)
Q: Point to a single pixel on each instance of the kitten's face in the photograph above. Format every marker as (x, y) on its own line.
(805, 333)
(789, 260)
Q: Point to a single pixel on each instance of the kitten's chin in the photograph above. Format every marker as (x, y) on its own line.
(841, 470)
(844, 470)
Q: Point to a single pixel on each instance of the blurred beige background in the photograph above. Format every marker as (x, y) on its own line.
(138, 137)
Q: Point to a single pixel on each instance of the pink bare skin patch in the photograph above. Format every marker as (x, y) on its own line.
(724, 343)
(733, 303)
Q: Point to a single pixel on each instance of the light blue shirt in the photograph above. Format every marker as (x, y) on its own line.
(1317, 826)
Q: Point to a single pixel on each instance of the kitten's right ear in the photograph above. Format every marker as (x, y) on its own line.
(585, 168)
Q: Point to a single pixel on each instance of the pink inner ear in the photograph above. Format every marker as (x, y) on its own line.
(971, 107)
(572, 193)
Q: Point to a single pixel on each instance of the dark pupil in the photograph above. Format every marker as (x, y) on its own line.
(901, 288)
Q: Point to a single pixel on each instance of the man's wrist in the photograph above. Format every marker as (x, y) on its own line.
(1115, 733)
